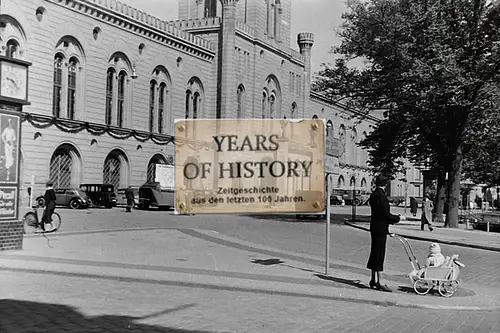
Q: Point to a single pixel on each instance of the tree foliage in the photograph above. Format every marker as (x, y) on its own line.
(430, 66)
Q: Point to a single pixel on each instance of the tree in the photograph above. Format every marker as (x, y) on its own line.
(428, 65)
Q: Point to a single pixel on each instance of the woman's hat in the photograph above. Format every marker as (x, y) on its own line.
(434, 248)
(381, 181)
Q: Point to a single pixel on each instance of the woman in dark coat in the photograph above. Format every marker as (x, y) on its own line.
(381, 217)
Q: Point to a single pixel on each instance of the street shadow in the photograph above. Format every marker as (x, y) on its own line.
(335, 218)
(353, 283)
(461, 292)
(276, 261)
(27, 316)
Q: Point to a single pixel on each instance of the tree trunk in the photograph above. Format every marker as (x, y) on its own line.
(453, 190)
(440, 196)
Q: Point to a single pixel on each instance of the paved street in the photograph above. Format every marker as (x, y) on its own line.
(131, 282)
(349, 246)
(97, 305)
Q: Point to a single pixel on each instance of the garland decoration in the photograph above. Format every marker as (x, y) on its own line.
(75, 126)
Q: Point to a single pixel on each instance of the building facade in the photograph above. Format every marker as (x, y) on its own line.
(108, 81)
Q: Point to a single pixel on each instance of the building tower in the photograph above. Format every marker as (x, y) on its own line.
(226, 94)
(305, 40)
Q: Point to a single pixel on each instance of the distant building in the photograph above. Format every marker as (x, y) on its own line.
(108, 81)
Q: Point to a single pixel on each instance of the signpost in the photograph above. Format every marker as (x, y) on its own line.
(13, 95)
(250, 166)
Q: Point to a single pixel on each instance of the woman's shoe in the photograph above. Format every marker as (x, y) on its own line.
(373, 284)
(431, 228)
(383, 287)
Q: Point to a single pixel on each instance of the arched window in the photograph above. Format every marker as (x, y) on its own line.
(12, 49)
(340, 181)
(110, 78)
(161, 106)
(272, 93)
(118, 96)
(72, 68)
(122, 77)
(57, 85)
(188, 101)
(152, 92)
(115, 169)
(294, 110)
(271, 107)
(264, 105)
(64, 168)
(151, 171)
(196, 102)
(329, 128)
(159, 99)
(315, 117)
(194, 99)
(240, 97)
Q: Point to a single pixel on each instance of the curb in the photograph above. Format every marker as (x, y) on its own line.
(429, 239)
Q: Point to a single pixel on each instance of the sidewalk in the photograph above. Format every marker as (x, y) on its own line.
(188, 258)
(458, 237)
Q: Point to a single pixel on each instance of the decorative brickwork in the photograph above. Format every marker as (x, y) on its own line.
(11, 235)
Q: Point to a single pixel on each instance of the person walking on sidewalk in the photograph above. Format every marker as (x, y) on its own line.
(427, 207)
(380, 219)
(129, 195)
(413, 206)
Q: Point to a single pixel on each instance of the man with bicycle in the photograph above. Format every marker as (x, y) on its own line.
(50, 205)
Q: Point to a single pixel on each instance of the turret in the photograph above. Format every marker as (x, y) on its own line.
(305, 40)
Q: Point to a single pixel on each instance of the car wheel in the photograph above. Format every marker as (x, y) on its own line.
(74, 204)
(357, 202)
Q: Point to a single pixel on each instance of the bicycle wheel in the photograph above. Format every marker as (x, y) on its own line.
(55, 224)
(30, 222)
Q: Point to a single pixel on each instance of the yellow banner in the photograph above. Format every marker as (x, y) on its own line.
(250, 166)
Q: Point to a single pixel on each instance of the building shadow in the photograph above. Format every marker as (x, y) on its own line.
(335, 218)
(27, 316)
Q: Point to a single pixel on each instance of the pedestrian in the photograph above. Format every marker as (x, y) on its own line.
(129, 195)
(50, 205)
(380, 219)
(413, 206)
(427, 207)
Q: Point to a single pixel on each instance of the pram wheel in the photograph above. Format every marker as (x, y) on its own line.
(448, 288)
(422, 287)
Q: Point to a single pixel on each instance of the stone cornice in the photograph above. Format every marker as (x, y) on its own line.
(137, 22)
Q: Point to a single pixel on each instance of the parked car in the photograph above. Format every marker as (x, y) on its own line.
(72, 197)
(152, 195)
(121, 200)
(100, 194)
(361, 197)
(337, 200)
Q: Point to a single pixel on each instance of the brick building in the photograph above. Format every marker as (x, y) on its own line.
(108, 80)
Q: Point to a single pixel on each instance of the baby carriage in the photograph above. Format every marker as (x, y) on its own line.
(444, 277)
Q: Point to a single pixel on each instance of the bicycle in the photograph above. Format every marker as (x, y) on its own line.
(32, 223)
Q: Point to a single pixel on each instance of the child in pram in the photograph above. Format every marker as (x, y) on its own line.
(434, 259)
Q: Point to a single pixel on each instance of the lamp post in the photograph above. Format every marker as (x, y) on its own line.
(353, 203)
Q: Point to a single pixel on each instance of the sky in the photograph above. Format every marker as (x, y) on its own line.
(320, 17)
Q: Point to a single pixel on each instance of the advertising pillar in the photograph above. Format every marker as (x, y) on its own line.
(13, 96)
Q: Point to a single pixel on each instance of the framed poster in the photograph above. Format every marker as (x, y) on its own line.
(9, 148)
(8, 202)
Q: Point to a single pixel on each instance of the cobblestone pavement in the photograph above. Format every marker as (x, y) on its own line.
(48, 303)
(288, 234)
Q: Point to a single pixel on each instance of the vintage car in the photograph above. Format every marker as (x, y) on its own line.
(71, 197)
(152, 195)
(100, 194)
(121, 200)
